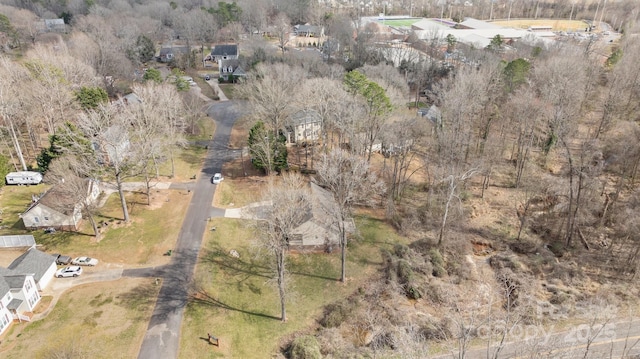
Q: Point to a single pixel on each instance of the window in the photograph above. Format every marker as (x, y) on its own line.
(35, 219)
(46, 218)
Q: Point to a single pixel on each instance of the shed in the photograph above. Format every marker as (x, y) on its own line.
(17, 241)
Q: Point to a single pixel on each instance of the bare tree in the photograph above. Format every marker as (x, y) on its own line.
(107, 128)
(282, 26)
(270, 90)
(13, 77)
(289, 205)
(348, 178)
(69, 174)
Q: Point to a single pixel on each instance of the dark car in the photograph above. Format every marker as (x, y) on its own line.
(61, 260)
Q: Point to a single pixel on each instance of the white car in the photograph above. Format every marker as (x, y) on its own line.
(71, 271)
(84, 261)
(217, 178)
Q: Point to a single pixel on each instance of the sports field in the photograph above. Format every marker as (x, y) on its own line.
(557, 24)
(399, 22)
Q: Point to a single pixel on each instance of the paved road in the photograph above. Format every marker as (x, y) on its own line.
(616, 339)
(163, 333)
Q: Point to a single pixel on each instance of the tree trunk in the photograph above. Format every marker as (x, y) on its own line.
(281, 282)
(93, 224)
(452, 189)
(123, 201)
(16, 145)
(343, 249)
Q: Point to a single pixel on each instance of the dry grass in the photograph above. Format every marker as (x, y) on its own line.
(101, 320)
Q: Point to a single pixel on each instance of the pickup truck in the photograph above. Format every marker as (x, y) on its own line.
(61, 260)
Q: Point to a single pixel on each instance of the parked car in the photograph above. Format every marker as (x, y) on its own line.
(85, 261)
(61, 260)
(217, 178)
(70, 271)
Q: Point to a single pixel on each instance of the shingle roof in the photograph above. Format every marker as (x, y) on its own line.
(24, 240)
(15, 281)
(14, 304)
(33, 262)
(222, 50)
(4, 287)
(305, 116)
(230, 62)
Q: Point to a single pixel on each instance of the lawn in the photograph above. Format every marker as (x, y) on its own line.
(399, 22)
(152, 230)
(229, 90)
(237, 301)
(99, 320)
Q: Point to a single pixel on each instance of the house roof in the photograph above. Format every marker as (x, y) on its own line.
(305, 116)
(4, 287)
(225, 50)
(33, 262)
(14, 304)
(230, 62)
(164, 51)
(239, 72)
(308, 28)
(15, 281)
(53, 199)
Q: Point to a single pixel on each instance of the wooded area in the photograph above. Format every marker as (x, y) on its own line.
(544, 137)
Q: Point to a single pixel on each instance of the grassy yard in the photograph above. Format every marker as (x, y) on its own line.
(153, 229)
(399, 22)
(100, 320)
(237, 301)
(229, 90)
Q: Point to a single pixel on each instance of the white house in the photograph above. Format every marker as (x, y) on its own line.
(224, 52)
(53, 209)
(41, 266)
(20, 284)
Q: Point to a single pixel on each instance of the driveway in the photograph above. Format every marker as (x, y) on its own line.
(162, 339)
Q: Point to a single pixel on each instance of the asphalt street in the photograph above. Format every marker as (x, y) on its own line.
(611, 339)
(162, 339)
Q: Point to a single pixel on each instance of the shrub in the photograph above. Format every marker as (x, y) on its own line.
(401, 251)
(438, 263)
(335, 314)
(524, 246)
(305, 347)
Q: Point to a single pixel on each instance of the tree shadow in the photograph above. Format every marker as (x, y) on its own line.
(139, 299)
(200, 296)
(235, 265)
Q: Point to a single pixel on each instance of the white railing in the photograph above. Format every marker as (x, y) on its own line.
(21, 318)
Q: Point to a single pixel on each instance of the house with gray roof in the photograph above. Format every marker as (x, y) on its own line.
(224, 52)
(40, 265)
(308, 30)
(319, 230)
(304, 126)
(170, 53)
(230, 67)
(55, 209)
(20, 284)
